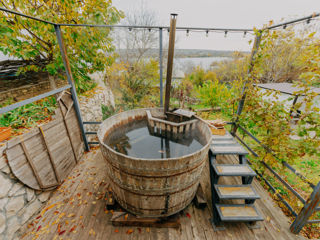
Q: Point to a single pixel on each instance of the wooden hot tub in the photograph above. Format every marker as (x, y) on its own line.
(152, 187)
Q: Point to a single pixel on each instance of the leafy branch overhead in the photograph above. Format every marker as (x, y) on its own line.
(89, 49)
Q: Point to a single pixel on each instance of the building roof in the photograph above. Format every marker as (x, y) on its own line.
(286, 88)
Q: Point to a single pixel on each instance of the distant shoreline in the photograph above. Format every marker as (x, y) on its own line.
(185, 53)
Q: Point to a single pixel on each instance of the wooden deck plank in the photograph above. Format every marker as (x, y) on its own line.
(89, 176)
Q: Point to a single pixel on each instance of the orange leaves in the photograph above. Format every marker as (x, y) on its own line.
(129, 231)
(46, 209)
(73, 228)
(71, 215)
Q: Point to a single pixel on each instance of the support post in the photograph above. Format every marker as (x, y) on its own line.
(170, 60)
(308, 209)
(70, 80)
(160, 67)
(254, 50)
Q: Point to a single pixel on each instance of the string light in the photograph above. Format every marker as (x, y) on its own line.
(244, 34)
(149, 29)
(225, 33)
(308, 21)
(130, 29)
(187, 33)
(207, 33)
(284, 26)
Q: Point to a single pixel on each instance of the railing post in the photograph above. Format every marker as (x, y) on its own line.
(70, 80)
(160, 67)
(254, 50)
(308, 209)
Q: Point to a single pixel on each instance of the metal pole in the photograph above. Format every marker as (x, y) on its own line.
(170, 60)
(70, 80)
(308, 209)
(160, 67)
(255, 48)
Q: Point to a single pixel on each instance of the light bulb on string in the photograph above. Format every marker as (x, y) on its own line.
(225, 33)
(207, 33)
(244, 34)
(308, 20)
(284, 26)
(187, 33)
(130, 29)
(149, 29)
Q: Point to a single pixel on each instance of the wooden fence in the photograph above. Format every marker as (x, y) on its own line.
(43, 157)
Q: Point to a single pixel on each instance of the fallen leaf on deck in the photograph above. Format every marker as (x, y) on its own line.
(116, 230)
(38, 228)
(72, 229)
(62, 232)
(71, 215)
(148, 229)
(126, 217)
(268, 219)
(188, 215)
(130, 231)
(139, 229)
(92, 232)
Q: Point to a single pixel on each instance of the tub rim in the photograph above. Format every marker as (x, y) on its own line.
(102, 135)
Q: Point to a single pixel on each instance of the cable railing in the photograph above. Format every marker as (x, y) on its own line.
(310, 205)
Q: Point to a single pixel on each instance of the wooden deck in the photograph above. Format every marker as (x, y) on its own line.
(77, 211)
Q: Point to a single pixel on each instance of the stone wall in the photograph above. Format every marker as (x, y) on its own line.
(18, 203)
(24, 88)
(90, 104)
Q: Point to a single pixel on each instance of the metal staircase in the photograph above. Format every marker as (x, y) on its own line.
(226, 212)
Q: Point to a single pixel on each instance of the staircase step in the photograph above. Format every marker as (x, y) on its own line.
(236, 191)
(227, 136)
(224, 142)
(238, 213)
(243, 170)
(229, 149)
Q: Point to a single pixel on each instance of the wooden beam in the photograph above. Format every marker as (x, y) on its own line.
(56, 174)
(33, 168)
(126, 219)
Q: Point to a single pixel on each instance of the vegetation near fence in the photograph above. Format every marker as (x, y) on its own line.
(89, 49)
(29, 115)
(284, 56)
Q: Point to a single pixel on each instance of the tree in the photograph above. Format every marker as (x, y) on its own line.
(89, 49)
(135, 43)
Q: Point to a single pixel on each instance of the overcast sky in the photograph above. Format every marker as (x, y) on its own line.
(221, 13)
